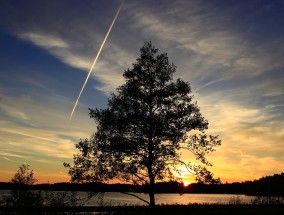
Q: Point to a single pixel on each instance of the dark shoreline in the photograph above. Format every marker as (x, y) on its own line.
(266, 186)
(246, 188)
(160, 209)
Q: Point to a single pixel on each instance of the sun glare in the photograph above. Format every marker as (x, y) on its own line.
(185, 184)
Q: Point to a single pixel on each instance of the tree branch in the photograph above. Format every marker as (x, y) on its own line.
(141, 178)
(130, 194)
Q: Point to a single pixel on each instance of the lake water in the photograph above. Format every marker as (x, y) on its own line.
(121, 199)
(114, 198)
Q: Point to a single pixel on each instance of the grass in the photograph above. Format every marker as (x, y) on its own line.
(236, 205)
(200, 209)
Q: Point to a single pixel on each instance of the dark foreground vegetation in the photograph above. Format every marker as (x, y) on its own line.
(25, 197)
(200, 209)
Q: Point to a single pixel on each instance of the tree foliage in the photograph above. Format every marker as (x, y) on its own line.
(147, 125)
(24, 176)
(23, 196)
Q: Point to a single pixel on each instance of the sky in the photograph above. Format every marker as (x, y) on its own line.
(231, 52)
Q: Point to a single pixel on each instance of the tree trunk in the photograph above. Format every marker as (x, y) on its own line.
(150, 172)
(152, 191)
(152, 199)
(150, 158)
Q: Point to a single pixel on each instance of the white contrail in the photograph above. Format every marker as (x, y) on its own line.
(96, 58)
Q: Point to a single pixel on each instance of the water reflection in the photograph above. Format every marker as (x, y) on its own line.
(119, 199)
(115, 199)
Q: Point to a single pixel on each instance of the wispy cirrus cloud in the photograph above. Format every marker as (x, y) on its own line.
(215, 49)
(251, 139)
(108, 69)
(46, 41)
(217, 53)
(45, 143)
(214, 46)
(14, 112)
(12, 155)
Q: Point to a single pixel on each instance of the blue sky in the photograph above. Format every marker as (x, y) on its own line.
(230, 51)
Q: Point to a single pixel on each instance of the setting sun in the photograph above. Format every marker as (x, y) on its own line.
(185, 184)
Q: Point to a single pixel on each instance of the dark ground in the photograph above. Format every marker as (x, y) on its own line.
(167, 209)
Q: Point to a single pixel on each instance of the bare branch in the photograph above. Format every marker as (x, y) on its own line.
(131, 194)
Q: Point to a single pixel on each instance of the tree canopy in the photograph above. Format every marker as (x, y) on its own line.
(24, 176)
(146, 126)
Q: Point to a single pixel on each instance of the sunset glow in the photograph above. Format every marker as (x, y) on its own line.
(185, 183)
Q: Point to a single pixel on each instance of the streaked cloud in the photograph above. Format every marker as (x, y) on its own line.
(45, 41)
(13, 112)
(106, 70)
(12, 155)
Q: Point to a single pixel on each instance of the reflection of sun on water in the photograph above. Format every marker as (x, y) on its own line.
(185, 184)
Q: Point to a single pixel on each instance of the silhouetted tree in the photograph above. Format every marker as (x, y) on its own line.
(24, 176)
(144, 129)
(23, 196)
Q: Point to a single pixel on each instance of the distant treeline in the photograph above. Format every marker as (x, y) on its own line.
(266, 186)
(269, 185)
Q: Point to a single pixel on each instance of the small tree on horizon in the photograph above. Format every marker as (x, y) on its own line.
(23, 195)
(147, 125)
(24, 176)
